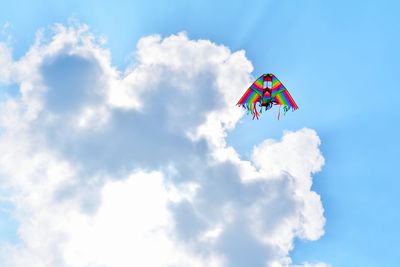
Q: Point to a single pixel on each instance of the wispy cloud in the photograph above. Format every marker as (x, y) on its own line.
(111, 168)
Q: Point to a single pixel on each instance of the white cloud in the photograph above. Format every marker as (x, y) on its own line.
(106, 168)
(6, 63)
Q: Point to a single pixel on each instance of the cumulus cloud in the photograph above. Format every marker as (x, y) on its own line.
(131, 168)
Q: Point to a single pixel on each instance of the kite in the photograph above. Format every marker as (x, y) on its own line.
(267, 90)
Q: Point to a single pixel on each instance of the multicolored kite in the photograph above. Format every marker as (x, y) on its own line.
(267, 90)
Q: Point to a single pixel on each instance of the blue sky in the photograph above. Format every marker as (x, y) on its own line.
(340, 62)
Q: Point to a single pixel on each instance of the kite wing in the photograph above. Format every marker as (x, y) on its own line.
(253, 95)
(257, 92)
(281, 95)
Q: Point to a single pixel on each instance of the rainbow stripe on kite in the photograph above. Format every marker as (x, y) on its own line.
(258, 92)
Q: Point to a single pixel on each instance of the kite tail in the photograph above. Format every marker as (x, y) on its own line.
(279, 113)
(286, 109)
(251, 108)
(255, 112)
